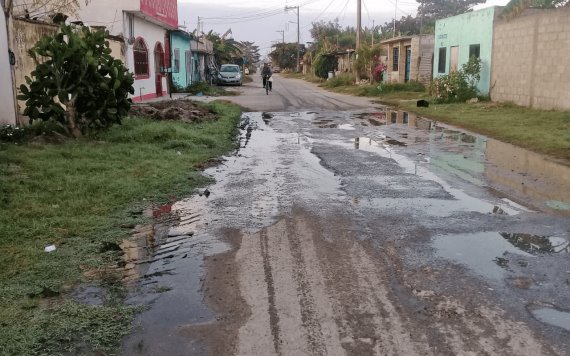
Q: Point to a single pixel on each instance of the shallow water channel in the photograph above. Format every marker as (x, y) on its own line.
(498, 214)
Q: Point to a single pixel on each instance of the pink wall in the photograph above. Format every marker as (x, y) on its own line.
(165, 11)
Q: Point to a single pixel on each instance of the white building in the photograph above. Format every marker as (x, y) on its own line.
(143, 24)
(8, 113)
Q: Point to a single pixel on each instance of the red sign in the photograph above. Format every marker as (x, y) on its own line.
(165, 11)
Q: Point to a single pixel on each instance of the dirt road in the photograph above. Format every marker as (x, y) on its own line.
(360, 231)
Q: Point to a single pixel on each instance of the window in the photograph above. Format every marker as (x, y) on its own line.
(176, 68)
(395, 58)
(140, 53)
(474, 50)
(442, 60)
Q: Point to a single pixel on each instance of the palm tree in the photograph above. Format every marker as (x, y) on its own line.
(225, 50)
(516, 7)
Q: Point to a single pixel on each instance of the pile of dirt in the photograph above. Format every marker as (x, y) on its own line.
(178, 110)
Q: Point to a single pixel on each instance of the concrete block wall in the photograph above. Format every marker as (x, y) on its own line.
(530, 56)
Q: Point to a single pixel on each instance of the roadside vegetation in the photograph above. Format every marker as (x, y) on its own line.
(84, 195)
(203, 88)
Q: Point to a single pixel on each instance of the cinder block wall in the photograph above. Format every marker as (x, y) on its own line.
(530, 60)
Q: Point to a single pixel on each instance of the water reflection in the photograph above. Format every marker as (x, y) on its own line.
(487, 253)
(537, 244)
(553, 317)
(483, 252)
(487, 162)
(528, 174)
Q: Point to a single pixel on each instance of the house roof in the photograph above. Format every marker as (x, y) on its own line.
(397, 39)
(150, 19)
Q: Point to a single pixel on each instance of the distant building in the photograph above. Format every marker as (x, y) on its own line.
(409, 58)
(181, 59)
(459, 37)
(8, 114)
(203, 62)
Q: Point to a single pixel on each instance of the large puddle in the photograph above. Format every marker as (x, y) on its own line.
(552, 316)
(524, 175)
(490, 254)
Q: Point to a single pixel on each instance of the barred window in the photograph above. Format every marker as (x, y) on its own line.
(395, 59)
(140, 52)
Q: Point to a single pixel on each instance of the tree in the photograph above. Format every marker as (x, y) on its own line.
(331, 34)
(34, 8)
(407, 25)
(285, 54)
(225, 50)
(77, 82)
(432, 10)
(516, 7)
(250, 52)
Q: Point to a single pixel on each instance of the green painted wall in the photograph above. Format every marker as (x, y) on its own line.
(463, 30)
(180, 41)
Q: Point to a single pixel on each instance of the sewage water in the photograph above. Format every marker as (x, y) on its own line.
(489, 253)
(527, 176)
(553, 317)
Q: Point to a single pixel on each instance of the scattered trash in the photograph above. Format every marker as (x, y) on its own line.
(199, 93)
(473, 101)
(49, 248)
(206, 193)
(179, 153)
(498, 210)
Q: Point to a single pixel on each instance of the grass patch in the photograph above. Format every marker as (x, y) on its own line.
(206, 89)
(77, 195)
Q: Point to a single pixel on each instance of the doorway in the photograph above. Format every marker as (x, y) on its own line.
(454, 61)
(408, 63)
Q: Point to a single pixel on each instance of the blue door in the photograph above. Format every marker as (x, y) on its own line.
(408, 62)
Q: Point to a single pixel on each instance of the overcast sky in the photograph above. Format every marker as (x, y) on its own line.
(260, 21)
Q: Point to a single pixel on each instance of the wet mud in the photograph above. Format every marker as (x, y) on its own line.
(363, 233)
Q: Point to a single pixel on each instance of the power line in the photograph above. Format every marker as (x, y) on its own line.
(319, 15)
(258, 12)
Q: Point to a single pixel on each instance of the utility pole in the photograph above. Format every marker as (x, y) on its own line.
(372, 33)
(298, 33)
(358, 30)
(282, 34)
(395, 14)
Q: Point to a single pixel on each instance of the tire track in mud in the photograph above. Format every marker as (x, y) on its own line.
(314, 288)
(272, 310)
(306, 299)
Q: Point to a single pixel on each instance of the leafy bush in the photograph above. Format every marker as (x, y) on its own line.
(12, 133)
(378, 71)
(458, 86)
(198, 87)
(77, 83)
(9, 133)
(323, 64)
(344, 79)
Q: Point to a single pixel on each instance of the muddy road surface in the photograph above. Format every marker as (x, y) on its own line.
(359, 230)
